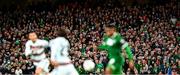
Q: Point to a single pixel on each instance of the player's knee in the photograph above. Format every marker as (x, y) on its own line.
(108, 71)
(38, 71)
(47, 74)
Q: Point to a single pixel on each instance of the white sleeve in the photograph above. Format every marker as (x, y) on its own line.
(21, 71)
(16, 73)
(53, 50)
(45, 43)
(124, 43)
(27, 49)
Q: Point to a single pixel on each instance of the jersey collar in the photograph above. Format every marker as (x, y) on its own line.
(114, 35)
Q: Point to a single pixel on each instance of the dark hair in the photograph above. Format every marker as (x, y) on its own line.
(110, 26)
(61, 32)
(32, 32)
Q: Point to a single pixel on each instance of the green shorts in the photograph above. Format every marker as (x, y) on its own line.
(116, 65)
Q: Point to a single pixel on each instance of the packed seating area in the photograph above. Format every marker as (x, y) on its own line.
(153, 37)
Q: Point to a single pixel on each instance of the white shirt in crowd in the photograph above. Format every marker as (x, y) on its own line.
(18, 72)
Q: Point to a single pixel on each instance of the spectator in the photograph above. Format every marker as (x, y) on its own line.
(18, 71)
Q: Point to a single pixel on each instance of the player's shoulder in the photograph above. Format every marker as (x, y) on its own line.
(58, 39)
(61, 39)
(52, 40)
(118, 35)
(28, 42)
(40, 40)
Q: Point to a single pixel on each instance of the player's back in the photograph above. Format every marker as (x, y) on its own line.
(59, 49)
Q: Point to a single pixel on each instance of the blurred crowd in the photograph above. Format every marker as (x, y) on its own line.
(154, 39)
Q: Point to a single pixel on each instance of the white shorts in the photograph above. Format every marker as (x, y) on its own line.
(44, 64)
(64, 70)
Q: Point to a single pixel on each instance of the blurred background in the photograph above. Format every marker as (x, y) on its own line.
(150, 26)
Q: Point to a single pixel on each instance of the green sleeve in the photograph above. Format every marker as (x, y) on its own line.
(129, 53)
(127, 48)
(101, 47)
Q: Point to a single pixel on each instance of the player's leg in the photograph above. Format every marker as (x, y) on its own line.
(108, 71)
(119, 66)
(54, 72)
(72, 70)
(110, 67)
(38, 71)
(64, 70)
(118, 69)
(114, 67)
(42, 67)
(59, 70)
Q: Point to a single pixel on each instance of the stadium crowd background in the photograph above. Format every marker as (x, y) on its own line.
(149, 29)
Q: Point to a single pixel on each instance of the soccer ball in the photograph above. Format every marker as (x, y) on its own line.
(88, 65)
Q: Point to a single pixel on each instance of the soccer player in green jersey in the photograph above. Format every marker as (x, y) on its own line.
(114, 44)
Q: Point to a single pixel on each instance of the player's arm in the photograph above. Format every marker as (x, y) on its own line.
(28, 51)
(127, 48)
(53, 50)
(102, 46)
(128, 52)
(54, 53)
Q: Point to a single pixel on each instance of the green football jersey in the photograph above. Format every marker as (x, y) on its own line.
(114, 46)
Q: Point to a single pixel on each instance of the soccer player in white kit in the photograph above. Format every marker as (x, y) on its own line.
(59, 55)
(35, 50)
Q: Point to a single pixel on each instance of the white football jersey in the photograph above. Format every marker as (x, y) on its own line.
(36, 49)
(59, 49)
